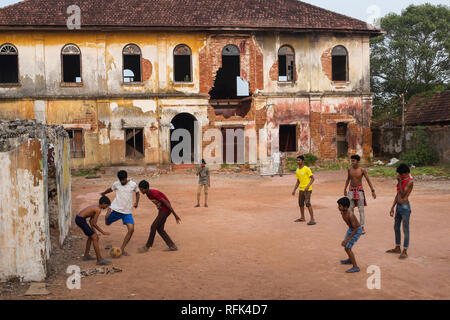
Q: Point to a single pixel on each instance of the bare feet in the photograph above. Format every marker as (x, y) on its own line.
(206, 206)
(103, 262)
(88, 258)
(125, 253)
(197, 206)
(143, 249)
(300, 220)
(173, 248)
(311, 223)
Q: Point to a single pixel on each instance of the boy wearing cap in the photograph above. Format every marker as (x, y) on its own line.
(305, 179)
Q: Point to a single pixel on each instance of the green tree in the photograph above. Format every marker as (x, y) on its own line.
(411, 57)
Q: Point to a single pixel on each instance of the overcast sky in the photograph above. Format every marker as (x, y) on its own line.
(361, 9)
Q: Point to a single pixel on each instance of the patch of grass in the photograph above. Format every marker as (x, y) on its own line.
(437, 171)
(331, 167)
(86, 172)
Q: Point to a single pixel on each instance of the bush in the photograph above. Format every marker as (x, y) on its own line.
(423, 154)
(310, 159)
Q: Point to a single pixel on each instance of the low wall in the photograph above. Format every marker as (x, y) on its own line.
(387, 142)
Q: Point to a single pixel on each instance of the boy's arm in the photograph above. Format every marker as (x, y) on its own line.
(109, 190)
(393, 205)
(347, 182)
(137, 199)
(296, 187)
(94, 225)
(168, 205)
(310, 182)
(370, 183)
(407, 189)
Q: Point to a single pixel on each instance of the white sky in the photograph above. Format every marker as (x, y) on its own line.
(360, 9)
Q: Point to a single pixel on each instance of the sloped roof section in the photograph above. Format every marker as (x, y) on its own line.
(427, 110)
(198, 14)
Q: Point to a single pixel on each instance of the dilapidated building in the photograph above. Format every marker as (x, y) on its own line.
(121, 75)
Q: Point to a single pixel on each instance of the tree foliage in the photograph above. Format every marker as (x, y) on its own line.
(411, 57)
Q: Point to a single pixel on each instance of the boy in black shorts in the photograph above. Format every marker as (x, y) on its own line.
(93, 212)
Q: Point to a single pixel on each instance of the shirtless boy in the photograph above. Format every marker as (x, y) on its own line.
(353, 233)
(93, 212)
(405, 185)
(356, 191)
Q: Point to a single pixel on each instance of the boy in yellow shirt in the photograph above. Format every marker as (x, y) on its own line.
(305, 179)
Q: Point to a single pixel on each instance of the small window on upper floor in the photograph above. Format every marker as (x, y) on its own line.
(182, 64)
(71, 64)
(340, 63)
(132, 64)
(9, 64)
(286, 64)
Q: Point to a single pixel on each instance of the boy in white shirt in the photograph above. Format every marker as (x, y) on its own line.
(121, 206)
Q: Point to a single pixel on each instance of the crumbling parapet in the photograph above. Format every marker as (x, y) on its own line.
(25, 234)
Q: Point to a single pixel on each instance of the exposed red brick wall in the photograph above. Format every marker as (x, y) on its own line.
(251, 61)
(273, 73)
(146, 69)
(326, 63)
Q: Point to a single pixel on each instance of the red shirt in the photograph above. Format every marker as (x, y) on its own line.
(155, 196)
(404, 183)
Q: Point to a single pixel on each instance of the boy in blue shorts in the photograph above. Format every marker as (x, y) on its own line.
(121, 206)
(93, 212)
(353, 233)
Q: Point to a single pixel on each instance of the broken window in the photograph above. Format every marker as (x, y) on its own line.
(71, 64)
(134, 142)
(286, 64)
(76, 143)
(341, 138)
(339, 63)
(288, 138)
(132, 63)
(225, 84)
(9, 64)
(182, 63)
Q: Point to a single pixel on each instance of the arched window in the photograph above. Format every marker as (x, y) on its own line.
(182, 71)
(132, 63)
(9, 64)
(286, 63)
(339, 64)
(231, 50)
(71, 64)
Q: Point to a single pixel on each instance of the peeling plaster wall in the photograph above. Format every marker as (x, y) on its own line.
(24, 234)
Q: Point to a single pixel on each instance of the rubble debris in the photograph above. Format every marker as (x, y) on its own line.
(101, 270)
(393, 161)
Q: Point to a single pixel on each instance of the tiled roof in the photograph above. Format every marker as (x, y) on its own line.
(199, 14)
(432, 109)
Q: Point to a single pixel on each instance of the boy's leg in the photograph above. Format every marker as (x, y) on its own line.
(95, 242)
(351, 257)
(155, 225)
(88, 248)
(308, 205)
(398, 236)
(405, 218)
(301, 204)
(164, 234)
(206, 194)
(130, 231)
(199, 190)
(361, 210)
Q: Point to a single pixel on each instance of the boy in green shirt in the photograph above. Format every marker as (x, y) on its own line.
(305, 179)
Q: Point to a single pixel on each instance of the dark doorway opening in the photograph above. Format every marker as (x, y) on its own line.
(71, 68)
(341, 139)
(288, 138)
(183, 121)
(76, 143)
(134, 143)
(237, 144)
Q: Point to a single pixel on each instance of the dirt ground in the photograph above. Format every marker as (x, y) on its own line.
(247, 246)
